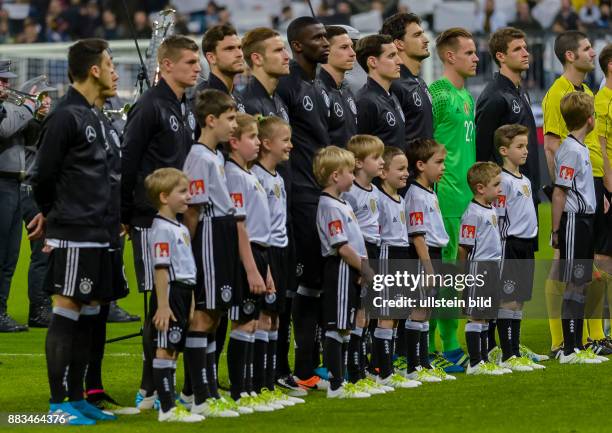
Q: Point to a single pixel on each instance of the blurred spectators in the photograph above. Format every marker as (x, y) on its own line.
(109, 29)
(30, 34)
(142, 27)
(566, 19)
(589, 13)
(604, 20)
(490, 19)
(524, 19)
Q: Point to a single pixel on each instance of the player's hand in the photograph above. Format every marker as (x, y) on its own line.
(270, 286)
(126, 230)
(162, 318)
(554, 240)
(36, 227)
(367, 274)
(47, 249)
(606, 204)
(30, 103)
(256, 283)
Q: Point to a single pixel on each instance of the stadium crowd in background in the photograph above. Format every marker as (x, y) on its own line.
(63, 20)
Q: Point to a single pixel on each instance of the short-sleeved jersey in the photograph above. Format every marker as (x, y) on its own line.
(274, 186)
(415, 100)
(365, 205)
(379, 113)
(207, 184)
(453, 111)
(170, 246)
(392, 220)
(554, 123)
(603, 111)
(573, 172)
(424, 216)
(479, 230)
(250, 201)
(337, 225)
(515, 207)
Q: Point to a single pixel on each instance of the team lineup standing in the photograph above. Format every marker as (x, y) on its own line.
(278, 208)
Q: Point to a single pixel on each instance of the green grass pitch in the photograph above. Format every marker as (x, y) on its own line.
(558, 399)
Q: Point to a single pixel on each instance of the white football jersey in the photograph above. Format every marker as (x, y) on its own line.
(207, 184)
(365, 205)
(274, 186)
(250, 201)
(515, 207)
(575, 173)
(337, 225)
(392, 220)
(479, 230)
(170, 246)
(424, 216)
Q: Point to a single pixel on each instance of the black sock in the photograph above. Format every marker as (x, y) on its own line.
(484, 342)
(571, 312)
(248, 373)
(473, 341)
(400, 347)
(354, 365)
(260, 360)
(283, 342)
(424, 346)
(195, 366)
(505, 331)
(221, 335)
(187, 385)
(579, 333)
(382, 341)
(93, 377)
(304, 315)
(58, 349)
(332, 356)
(147, 383)
(366, 347)
(163, 374)
(345, 344)
(373, 362)
(491, 343)
(516, 333)
(211, 366)
(80, 357)
(272, 360)
(412, 339)
(237, 361)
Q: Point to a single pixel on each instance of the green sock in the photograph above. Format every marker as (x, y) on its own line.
(432, 335)
(448, 334)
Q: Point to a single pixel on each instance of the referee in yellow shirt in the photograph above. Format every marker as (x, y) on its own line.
(603, 111)
(575, 52)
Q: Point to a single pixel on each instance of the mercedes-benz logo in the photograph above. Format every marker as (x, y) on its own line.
(390, 118)
(174, 123)
(516, 108)
(417, 99)
(338, 110)
(90, 134)
(307, 103)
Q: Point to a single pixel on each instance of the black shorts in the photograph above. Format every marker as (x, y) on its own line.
(395, 259)
(117, 273)
(309, 262)
(435, 255)
(247, 306)
(83, 274)
(215, 249)
(603, 221)
(279, 266)
(143, 262)
(576, 247)
(179, 299)
(340, 294)
(487, 289)
(518, 265)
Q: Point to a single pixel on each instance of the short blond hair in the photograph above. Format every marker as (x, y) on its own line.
(267, 126)
(364, 145)
(330, 159)
(389, 153)
(576, 108)
(163, 180)
(244, 122)
(482, 173)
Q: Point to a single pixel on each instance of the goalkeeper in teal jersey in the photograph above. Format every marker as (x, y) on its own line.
(453, 110)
